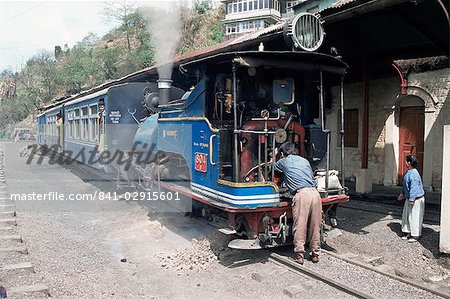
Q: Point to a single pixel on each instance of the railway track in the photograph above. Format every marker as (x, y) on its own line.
(368, 271)
(316, 275)
(430, 217)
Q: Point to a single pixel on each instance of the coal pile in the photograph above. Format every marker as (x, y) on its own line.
(198, 257)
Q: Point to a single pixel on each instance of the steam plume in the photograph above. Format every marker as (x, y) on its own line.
(164, 24)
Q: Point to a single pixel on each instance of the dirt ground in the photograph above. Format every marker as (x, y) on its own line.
(376, 238)
(107, 249)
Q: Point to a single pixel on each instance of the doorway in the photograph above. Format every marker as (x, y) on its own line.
(412, 125)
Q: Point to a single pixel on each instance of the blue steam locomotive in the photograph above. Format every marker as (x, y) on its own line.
(218, 137)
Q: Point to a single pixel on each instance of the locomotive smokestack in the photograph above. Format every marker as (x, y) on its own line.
(164, 86)
(165, 30)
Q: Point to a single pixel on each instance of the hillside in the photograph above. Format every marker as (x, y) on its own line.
(94, 60)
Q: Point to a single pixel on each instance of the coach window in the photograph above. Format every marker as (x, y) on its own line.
(77, 124)
(69, 126)
(53, 126)
(50, 125)
(84, 123)
(73, 124)
(93, 125)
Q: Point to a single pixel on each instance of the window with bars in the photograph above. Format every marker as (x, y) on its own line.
(290, 5)
(76, 124)
(238, 6)
(84, 123)
(93, 123)
(69, 125)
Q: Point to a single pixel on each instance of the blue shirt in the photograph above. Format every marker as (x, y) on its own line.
(412, 185)
(297, 172)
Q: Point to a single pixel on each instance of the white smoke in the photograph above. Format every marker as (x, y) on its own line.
(165, 31)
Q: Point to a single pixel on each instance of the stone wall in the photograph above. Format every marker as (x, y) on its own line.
(433, 90)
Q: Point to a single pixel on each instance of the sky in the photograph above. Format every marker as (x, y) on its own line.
(26, 27)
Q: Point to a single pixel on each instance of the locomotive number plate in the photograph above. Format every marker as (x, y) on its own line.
(201, 162)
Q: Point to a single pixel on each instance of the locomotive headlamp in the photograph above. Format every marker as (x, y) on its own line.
(306, 32)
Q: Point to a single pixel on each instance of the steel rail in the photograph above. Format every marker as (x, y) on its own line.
(396, 211)
(335, 284)
(338, 285)
(392, 276)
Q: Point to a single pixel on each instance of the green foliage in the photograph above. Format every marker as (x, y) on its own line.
(216, 34)
(201, 6)
(108, 59)
(201, 27)
(145, 57)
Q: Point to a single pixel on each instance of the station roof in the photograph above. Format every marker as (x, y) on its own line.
(381, 31)
(305, 61)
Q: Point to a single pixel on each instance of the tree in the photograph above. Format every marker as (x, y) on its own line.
(7, 85)
(201, 27)
(121, 11)
(109, 59)
(38, 80)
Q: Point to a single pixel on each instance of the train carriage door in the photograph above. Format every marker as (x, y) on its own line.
(62, 134)
(412, 124)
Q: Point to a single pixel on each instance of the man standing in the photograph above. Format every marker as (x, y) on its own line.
(306, 204)
(101, 115)
(59, 128)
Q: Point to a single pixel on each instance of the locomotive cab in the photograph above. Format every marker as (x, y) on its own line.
(259, 100)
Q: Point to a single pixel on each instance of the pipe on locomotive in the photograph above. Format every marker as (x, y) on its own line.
(342, 133)
(326, 131)
(236, 156)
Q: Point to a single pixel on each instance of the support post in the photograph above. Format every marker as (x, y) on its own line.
(236, 137)
(365, 121)
(444, 243)
(342, 133)
(364, 175)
